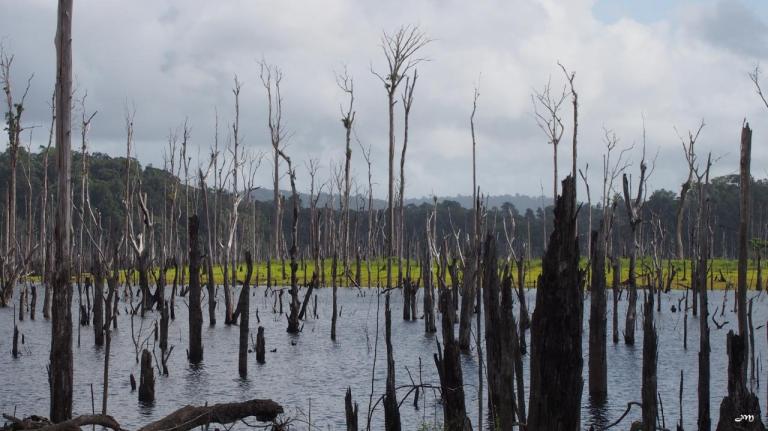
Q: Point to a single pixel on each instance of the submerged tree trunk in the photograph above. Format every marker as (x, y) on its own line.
(61, 362)
(467, 302)
(704, 417)
(525, 320)
(740, 410)
(744, 220)
(98, 305)
(556, 327)
(260, 345)
(243, 309)
(598, 364)
(195, 352)
(500, 364)
(616, 285)
(334, 283)
(147, 379)
(351, 411)
(448, 364)
(650, 347)
(429, 292)
(391, 408)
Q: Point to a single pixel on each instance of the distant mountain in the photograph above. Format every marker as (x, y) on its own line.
(521, 202)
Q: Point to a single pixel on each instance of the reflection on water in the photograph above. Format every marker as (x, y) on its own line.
(310, 366)
(598, 413)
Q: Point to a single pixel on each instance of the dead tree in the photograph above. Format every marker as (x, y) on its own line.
(690, 157)
(236, 162)
(391, 407)
(704, 417)
(195, 352)
(470, 284)
(426, 280)
(556, 357)
(448, 362)
(147, 379)
(243, 311)
(293, 318)
(98, 303)
(598, 363)
(351, 411)
(346, 84)
(141, 244)
(634, 209)
(209, 229)
(184, 419)
(61, 374)
(744, 220)
(271, 77)
(334, 283)
(407, 100)
(550, 123)
(400, 50)
(260, 345)
(46, 255)
(498, 330)
(650, 355)
(740, 409)
(9, 268)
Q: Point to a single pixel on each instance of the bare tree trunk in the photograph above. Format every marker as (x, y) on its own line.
(260, 345)
(740, 402)
(498, 330)
(98, 304)
(391, 408)
(704, 417)
(467, 299)
(429, 292)
(195, 352)
(147, 379)
(293, 318)
(556, 357)
(598, 364)
(634, 212)
(351, 411)
(334, 283)
(448, 364)
(650, 346)
(211, 283)
(61, 366)
(744, 216)
(615, 286)
(243, 308)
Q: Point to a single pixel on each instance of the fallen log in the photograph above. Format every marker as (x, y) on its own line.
(191, 417)
(183, 419)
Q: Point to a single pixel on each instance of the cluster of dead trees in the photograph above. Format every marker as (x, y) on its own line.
(463, 280)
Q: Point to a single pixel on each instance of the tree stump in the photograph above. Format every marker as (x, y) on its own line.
(556, 327)
(260, 345)
(351, 411)
(146, 379)
(740, 410)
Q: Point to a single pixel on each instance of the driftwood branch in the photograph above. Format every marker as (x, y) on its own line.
(183, 419)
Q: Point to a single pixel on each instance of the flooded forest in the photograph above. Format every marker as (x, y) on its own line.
(170, 298)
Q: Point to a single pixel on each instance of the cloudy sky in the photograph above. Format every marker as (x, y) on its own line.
(672, 62)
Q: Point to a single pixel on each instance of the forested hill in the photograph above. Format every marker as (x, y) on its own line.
(107, 191)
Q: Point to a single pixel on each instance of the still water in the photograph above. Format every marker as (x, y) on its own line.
(308, 373)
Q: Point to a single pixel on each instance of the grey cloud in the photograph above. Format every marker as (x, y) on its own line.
(731, 25)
